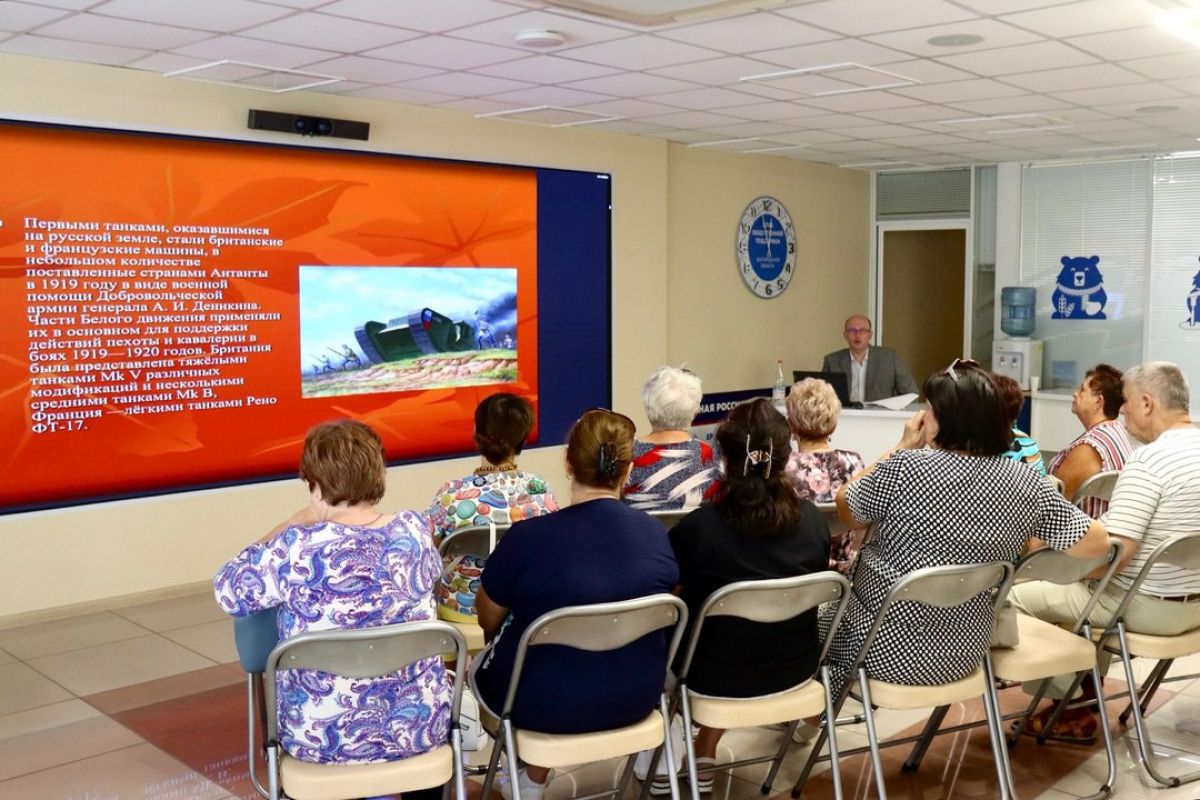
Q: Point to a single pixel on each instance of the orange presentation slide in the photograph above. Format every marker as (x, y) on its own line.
(178, 312)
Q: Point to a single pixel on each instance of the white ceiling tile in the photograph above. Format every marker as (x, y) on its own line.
(466, 84)
(641, 52)
(776, 110)
(630, 127)
(1110, 125)
(1018, 58)
(916, 41)
(922, 139)
(1179, 65)
(446, 53)
(1063, 80)
(956, 91)
(994, 7)
(294, 3)
(29, 45)
(1134, 43)
(850, 146)
(836, 52)
(631, 84)
(1191, 85)
(706, 99)
(911, 114)
(831, 121)
(254, 51)
(546, 69)
(576, 31)
(747, 130)
(371, 70)
(748, 33)
(627, 107)
(121, 32)
(926, 71)
(717, 71)
(1139, 93)
(874, 16)
(479, 105)
(550, 96)
(431, 16)
(17, 17)
(168, 62)
(881, 131)
(1089, 16)
(223, 17)
(815, 136)
(1139, 135)
(73, 5)
(399, 94)
(341, 87)
(692, 119)
(861, 101)
(313, 29)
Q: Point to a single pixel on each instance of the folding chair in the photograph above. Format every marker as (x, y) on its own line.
(364, 653)
(476, 540)
(1099, 486)
(1057, 483)
(255, 637)
(595, 628)
(1181, 551)
(774, 600)
(1044, 651)
(670, 517)
(942, 587)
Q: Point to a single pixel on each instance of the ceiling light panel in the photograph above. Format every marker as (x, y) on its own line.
(831, 79)
(548, 116)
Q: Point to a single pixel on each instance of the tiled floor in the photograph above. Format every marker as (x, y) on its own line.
(146, 702)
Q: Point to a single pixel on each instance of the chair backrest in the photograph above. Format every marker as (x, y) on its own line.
(1057, 483)
(364, 653)
(476, 540)
(830, 512)
(772, 600)
(670, 517)
(255, 637)
(1180, 551)
(1058, 567)
(1099, 485)
(600, 627)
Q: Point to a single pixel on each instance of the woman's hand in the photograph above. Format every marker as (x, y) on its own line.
(916, 432)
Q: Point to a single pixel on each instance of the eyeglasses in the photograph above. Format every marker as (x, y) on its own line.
(959, 362)
(856, 331)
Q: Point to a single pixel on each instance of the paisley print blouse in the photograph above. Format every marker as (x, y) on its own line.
(327, 576)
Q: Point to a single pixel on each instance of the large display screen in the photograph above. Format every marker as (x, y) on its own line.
(177, 312)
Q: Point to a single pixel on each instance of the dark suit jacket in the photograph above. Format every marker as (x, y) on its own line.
(886, 374)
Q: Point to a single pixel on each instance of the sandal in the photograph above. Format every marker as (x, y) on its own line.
(704, 785)
(1074, 725)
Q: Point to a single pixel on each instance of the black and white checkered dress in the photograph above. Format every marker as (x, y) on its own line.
(936, 507)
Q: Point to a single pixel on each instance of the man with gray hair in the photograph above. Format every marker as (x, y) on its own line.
(1156, 497)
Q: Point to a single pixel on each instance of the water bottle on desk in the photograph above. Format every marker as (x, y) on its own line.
(779, 390)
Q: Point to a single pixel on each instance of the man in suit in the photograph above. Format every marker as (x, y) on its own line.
(872, 373)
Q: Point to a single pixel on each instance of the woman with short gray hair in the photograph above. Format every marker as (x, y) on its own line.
(671, 468)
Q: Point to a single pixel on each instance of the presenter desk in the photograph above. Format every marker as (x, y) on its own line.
(871, 432)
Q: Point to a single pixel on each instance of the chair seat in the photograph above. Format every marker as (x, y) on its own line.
(564, 749)
(1044, 650)
(804, 700)
(303, 780)
(1143, 645)
(901, 696)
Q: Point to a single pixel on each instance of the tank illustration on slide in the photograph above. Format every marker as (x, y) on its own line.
(422, 332)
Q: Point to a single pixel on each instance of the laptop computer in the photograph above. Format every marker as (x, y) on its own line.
(835, 379)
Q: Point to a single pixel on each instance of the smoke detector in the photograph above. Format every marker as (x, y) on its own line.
(540, 38)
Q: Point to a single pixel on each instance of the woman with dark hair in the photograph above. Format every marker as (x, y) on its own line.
(1104, 445)
(945, 495)
(495, 491)
(755, 529)
(341, 563)
(597, 550)
(1023, 448)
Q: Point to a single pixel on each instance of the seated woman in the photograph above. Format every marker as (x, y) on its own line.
(341, 563)
(943, 496)
(755, 528)
(497, 490)
(816, 469)
(671, 468)
(596, 550)
(1023, 447)
(1104, 444)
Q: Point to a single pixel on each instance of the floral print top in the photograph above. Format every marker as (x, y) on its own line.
(817, 477)
(501, 497)
(327, 576)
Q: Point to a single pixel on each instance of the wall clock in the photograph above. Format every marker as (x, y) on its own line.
(766, 247)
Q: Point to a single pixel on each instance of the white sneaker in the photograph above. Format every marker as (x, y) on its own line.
(528, 788)
(805, 732)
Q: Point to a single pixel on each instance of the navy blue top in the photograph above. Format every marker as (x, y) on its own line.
(595, 552)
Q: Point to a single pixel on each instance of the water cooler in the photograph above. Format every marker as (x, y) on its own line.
(1018, 356)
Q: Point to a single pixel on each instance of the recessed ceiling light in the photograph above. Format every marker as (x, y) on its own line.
(954, 40)
(1156, 109)
(539, 38)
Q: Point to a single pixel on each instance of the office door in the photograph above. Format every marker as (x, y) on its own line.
(922, 285)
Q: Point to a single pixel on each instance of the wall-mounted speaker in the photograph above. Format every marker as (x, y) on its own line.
(308, 126)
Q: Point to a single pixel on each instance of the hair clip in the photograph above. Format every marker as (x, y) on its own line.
(756, 457)
(608, 463)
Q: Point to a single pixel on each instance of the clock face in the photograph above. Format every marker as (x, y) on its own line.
(766, 247)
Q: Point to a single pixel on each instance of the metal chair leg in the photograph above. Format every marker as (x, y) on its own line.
(913, 762)
(831, 727)
(995, 726)
(669, 748)
(1110, 780)
(493, 762)
(514, 765)
(689, 746)
(1149, 687)
(872, 734)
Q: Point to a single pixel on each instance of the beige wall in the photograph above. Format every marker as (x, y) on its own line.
(673, 217)
(730, 337)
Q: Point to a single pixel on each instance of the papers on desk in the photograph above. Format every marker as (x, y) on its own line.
(897, 403)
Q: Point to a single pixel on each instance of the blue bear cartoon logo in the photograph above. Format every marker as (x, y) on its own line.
(1079, 291)
(1193, 303)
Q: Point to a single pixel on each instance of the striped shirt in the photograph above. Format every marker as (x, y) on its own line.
(1157, 496)
(1111, 442)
